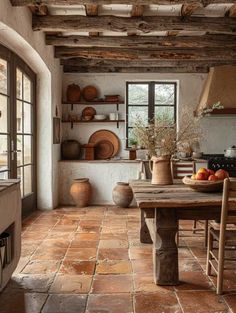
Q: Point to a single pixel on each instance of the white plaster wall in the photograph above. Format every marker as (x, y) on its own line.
(219, 132)
(102, 176)
(16, 34)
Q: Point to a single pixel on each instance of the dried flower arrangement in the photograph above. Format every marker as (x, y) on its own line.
(162, 137)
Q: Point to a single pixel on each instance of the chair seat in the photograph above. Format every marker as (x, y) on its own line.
(230, 236)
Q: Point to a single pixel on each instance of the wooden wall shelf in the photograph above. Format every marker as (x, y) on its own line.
(93, 121)
(117, 103)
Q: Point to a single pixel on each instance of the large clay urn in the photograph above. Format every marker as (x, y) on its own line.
(161, 170)
(81, 192)
(122, 195)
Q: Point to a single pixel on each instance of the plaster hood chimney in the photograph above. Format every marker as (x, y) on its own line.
(220, 87)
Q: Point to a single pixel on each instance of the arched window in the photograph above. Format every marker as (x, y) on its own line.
(17, 124)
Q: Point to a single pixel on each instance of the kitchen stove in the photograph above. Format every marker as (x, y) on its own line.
(219, 161)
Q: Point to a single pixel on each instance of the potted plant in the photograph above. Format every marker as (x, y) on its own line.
(133, 143)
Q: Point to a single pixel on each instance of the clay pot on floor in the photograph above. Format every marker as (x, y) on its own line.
(122, 195)
(81, 192)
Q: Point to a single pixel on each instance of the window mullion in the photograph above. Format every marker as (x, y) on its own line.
(151, 101)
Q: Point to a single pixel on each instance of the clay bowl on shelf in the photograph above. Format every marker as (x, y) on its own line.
(87, 117)
(203, 185)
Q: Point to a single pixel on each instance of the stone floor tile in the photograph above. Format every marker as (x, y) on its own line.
(55, 243)
(114, 236)
(140, 253)
(85, 254)
(113, 244)
(194, 281)
(34, 235)
(143, 283)
(143, 266)
(229, 282)
(49, 253)
(64, 228)
(112, 284)
(77, 267)
(113, 267)
(21, 264)
(201, 302)
(86, 236)
(118, 303)
(113, 254)
(32, 282)
(18, 301)
(90, 223)
(88, 229)
(156, 303)
(62, 303)
(41, 267)
(68, 221)
(189, 265)
(60, 235)
(84, 244)
(199, 252)
(231, 301)
(71, 284)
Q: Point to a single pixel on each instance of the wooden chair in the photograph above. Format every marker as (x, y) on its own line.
(179, 170)
(224, 235)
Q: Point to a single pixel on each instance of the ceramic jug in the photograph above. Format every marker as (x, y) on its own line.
(161, 170)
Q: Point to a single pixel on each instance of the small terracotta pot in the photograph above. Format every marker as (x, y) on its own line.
(81, 192)
(70, 150)
(122, 195)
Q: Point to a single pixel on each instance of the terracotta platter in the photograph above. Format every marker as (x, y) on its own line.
(101, 138)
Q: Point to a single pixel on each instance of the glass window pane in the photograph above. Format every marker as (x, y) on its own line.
(167, 112)
(19, 84)
(3, 152)
(164, 94)
(19, 117)
(138, 94)
(20, 176)
(27, 150)
(19, 150)
(137, 112)
(27, 89)
(27, 118)
(27, 179)
(4, 175)
(3, 76)
(3, 114)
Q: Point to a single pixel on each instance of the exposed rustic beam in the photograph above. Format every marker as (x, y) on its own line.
(84, 69)
(189, 9)
(40, 9)
(99, 2)
(137, 10)
(131, 54)
(126, 24)
(145, 42)
(91, 9)
(78, 62)
(232, 11)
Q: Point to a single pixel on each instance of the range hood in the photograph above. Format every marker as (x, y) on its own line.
(220, 87)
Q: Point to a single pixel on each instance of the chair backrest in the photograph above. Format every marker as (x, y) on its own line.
(181, 168)
(228, 210)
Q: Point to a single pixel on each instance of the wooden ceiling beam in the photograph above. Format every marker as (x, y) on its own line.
(145, 42)
(40, 9)
(138, 54)
(79, 62)
(189, 9)
(112, 69)
(125, 24)
(100, 2)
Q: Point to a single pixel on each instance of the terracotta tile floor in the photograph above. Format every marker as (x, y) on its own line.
(90, 260)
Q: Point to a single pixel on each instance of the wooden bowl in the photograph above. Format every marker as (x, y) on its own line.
(203, 185)
(90, 93)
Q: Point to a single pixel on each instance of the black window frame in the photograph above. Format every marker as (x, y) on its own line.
(151, 101)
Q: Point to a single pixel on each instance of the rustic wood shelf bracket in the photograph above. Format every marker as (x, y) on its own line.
(71, 125)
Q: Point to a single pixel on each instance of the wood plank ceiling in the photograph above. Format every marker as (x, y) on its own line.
(176, 36)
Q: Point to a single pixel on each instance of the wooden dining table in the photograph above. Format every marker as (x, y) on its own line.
(161, 209)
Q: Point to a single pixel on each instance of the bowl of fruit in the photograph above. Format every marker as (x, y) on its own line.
(206, 180)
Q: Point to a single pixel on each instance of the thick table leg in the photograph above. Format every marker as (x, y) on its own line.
(144, 232)
(165, 252)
